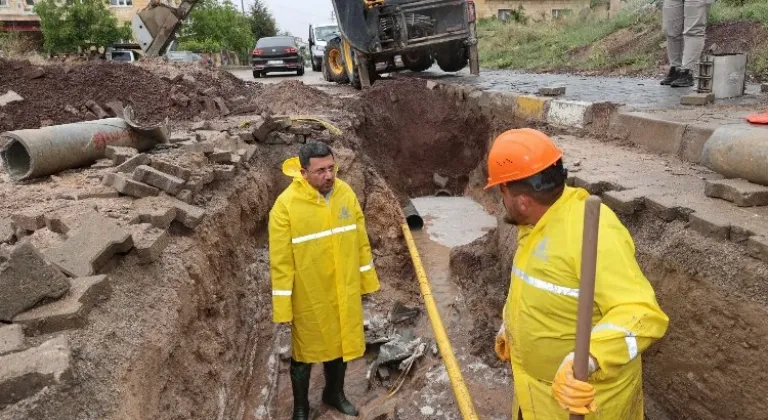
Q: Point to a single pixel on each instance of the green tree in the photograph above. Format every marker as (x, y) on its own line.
(73, 26)
(215, 26)
(262, 22)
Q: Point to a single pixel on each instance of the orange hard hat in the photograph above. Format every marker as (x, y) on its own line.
(519, 154)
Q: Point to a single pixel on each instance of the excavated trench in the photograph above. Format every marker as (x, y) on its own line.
(191, 335)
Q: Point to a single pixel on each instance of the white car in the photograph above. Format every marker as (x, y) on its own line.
(318, 39)
(125, 56)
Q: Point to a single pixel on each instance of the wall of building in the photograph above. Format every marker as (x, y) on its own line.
(533, 9)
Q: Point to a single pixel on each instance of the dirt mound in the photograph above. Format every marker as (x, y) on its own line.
(46, 98)
(410, 139)
(294, 97)
(735, 37)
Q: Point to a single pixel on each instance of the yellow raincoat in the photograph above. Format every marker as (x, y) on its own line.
(541, 310)
(321, 264)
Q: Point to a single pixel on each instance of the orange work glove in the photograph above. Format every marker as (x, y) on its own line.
(571, 394)
(501, 347)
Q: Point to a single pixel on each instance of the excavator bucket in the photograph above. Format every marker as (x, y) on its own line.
(155, 26)
(354, 17)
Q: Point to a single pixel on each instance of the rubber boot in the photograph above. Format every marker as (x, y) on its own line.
(684, 79)
(671, 76)
(333, 395)
(300, 382)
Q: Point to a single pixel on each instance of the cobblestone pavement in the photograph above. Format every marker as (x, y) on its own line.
(634, 92)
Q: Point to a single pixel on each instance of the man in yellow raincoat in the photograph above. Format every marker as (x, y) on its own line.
(321, 264)
(539, 328)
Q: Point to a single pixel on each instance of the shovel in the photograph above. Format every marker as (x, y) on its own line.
(586, 291)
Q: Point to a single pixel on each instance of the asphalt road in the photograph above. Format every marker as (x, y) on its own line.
(309, 78)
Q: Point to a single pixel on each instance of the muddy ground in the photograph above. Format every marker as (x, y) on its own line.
(190, 336)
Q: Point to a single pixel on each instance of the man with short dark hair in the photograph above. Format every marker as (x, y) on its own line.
(321, 265)
(539, 319)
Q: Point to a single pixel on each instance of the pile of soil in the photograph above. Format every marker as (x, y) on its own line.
(293, 97)
(410, 140)
(46, 97)
(736, 37)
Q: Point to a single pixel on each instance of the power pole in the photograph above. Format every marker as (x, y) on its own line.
(242, 4)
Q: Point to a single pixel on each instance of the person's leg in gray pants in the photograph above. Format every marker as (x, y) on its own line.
(685, 26)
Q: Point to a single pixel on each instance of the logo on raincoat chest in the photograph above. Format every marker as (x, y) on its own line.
(541, 250)
(344, 215)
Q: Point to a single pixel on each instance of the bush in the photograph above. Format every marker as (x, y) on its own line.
(70, 27)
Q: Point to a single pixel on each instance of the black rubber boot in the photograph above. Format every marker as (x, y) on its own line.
(684, 79)
(671, 76)
(300, 382)
(333, 395)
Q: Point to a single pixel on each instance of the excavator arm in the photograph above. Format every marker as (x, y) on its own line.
(155, 26)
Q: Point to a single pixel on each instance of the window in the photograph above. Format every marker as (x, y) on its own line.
(504, 14)
(560, 13)
(3, 3)
(121, 3)
(30, 2)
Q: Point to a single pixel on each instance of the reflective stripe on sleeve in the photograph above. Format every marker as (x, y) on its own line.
(323, 234)
(629, 338)
(282, 292)
(365, 268)
(544, 285)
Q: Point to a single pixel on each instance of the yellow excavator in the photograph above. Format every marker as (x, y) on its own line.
(374, 34)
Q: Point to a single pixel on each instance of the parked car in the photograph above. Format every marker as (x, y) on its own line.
(276, 54)
(124, 56)
(319, 35)
(187, 57)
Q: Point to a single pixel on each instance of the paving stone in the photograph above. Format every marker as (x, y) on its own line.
(202, 125)
(151, 176)
(120, 154)
(156, 211)
(180, 99)
(26, 279)
(649, 131)
(103, 164)
(90, 116)
(24, 374)
(662, 207)
(172, 169)
(698, 99)
(185, 196)
(90, 246)
(198, 147)
(221, 105)
(127, 186)
(625, 202)
(250, 152)
(738, 191)
(278, 137)
(220, 156)
(223, 172)
(11, 338)
(149, 242)
(71, 311)
(56, 222)
(10, 97)
(187, 214)
(6, 230)
(740, 234)
(238, 100)
(710, 225)
(552, 91)
(131, 164)
(210, 106)
(262, 128)
(72, 110)
(248, 108)
(97, 110)
(28, 220)
(207, 91)
(180, 138)
(116, 109)
(35, 73)
(758, 247)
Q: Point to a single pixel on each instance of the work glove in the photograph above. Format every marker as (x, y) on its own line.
(501, 347)
(571, 394)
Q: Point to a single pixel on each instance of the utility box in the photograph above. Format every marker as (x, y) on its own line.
(724, 75)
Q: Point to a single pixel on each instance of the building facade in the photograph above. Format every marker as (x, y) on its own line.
(17, 15)
(539, 10)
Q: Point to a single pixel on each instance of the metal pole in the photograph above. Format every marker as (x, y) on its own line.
(586, 291)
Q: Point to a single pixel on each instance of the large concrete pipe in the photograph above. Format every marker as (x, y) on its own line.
(412, 216)
(738, 152)
(44, 151)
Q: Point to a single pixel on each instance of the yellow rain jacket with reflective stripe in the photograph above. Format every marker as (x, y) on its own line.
(321, 264)
(541, 310)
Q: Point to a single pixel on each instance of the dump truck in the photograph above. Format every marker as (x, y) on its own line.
(374, 34)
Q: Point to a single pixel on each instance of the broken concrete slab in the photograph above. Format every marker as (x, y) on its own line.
(11, 338)
(10, 97)
(171, 169)
(180, 138)
(90, 246)
(6, 230)
(278, 137)
(223, 172)
(552, 91)
(738, 191)
(221, 105)
(185, 196)
(28, 220)
(69, 312)
(149, 242)
(710, 225)
(96, 109)
(662, 207)
(26, 279)
(262, 128)
(698, 99)
(120, 155)
(204, 147)
(220, 156)
(156, 211)
(24, 374)
(94, 192)
(625, 202)
(187, 214)
(151, 176)
(649, 131)
(758, 247)
(127, 186)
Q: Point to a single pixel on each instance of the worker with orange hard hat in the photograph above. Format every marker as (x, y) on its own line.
(538, 331)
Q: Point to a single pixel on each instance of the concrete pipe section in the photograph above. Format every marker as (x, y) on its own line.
(443, 193)
(412, 216)
(736, 152)
(45, 151)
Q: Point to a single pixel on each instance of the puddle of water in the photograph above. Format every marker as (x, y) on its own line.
(453, 221)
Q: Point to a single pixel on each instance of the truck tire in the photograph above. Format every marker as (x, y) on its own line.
(317, 65)
(351, 66)
(417, 61)
(333, 61)
(453, 57)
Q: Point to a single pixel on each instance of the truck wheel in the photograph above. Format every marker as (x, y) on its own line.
(300, 71)
(351, 66)
(256, 74)
(333, 60)
(453, 57)
(417, 61)
(316, 65)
